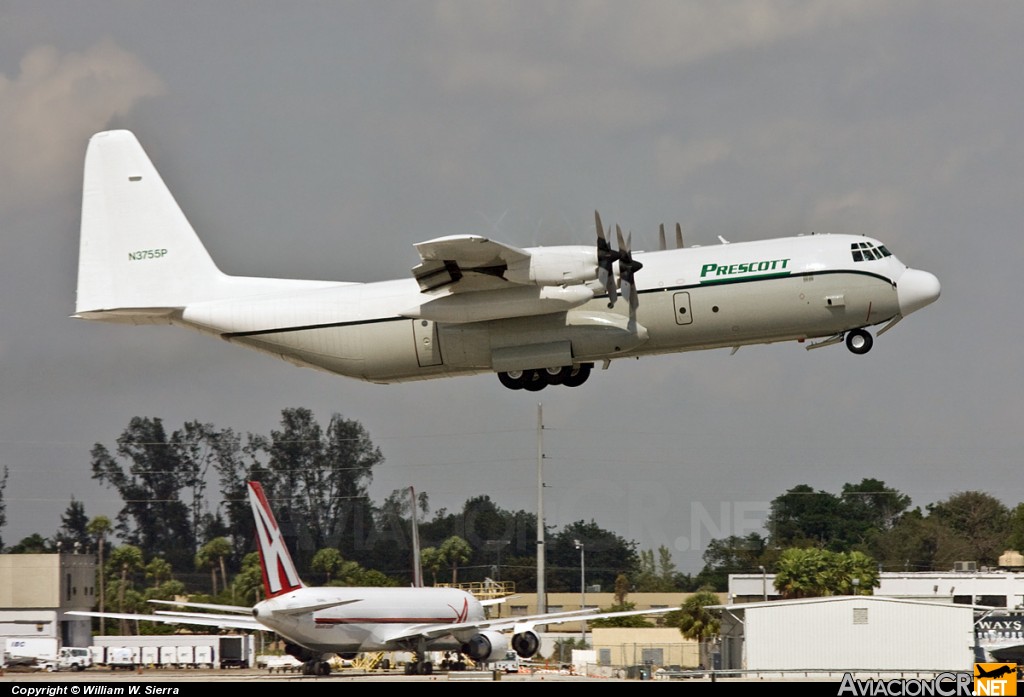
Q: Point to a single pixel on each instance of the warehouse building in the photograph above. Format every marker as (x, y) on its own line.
(830, 636)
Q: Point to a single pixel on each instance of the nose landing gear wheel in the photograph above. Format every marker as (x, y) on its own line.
(859, 341)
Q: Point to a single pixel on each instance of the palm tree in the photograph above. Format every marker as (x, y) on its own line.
(99, 527)
(455, 551)
(329, 561)
(211, 556)
(127, 559)
(430, 558)
(695, 621)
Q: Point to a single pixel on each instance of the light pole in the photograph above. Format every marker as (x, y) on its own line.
(764, 583)
(583, 590)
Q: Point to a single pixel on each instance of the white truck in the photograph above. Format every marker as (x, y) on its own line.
(46, 654)
(74, 658)
(122, 657)
(31, 651)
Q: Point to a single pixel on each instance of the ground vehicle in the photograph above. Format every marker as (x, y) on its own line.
(46, 654)
(121, 657)
(74, 658)
(40, 652)
(509, 664)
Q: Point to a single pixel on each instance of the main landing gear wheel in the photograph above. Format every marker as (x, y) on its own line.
(577, 376)
(316, 668)
(419, 668)
(536, 380)
(513, 379)
(859, 341)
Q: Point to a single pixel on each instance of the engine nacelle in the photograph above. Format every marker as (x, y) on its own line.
(555, 266)
(486, 646)
(526, 643)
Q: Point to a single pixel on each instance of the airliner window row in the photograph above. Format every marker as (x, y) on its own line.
(865, 251)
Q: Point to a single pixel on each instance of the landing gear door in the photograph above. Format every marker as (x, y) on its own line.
(425, 335)
(681, 303)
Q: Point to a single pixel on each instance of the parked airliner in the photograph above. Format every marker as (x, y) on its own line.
(319, 621)
(536, 316)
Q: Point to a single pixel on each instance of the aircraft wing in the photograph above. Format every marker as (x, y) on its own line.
(238, 609)
(465, 262)
(196, 618)
(515, 624)
(1009, 653)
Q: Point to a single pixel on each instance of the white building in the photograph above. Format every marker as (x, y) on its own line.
(37, 589)
(1001, 589)
(839, 634)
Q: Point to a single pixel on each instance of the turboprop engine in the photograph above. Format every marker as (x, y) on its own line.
(555, 266)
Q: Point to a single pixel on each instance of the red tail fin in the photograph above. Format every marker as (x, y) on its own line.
(279, 573)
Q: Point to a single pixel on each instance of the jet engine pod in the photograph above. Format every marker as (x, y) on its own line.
(526, 643)
(486, 646)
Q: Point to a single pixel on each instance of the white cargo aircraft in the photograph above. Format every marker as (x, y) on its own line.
(536, 316)
(318, 621)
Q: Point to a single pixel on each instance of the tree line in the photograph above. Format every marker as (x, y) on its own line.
(186, 521)
(870, 525)
(185, 517)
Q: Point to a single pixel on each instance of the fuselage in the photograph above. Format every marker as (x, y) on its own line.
(372, 622)
(725, 295)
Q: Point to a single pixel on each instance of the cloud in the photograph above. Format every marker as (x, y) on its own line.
(496, 44)
(52, 106)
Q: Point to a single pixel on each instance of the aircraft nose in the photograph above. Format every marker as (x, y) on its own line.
(916, 289)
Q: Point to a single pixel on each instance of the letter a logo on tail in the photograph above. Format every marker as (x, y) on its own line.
(279, 574)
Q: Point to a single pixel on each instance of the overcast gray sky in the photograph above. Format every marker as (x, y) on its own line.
(323, 139)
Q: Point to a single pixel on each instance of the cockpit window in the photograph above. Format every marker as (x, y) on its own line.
(866, 251)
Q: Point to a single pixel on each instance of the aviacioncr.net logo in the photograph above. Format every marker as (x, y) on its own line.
(942, 685)
(995, 678)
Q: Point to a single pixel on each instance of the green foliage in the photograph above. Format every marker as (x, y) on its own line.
(606, 556)
(563, 648)
(803, 517)
(33, 544)
(696, 621)
(453, 552)
(247, 586)
(150, 472)
(733, 555)
(813, 572)
(977, 519)
(74, 528)
(318, 479)
(627, 621)
(3, 505)
(693, 618)
(1016, 529)
(660, 576)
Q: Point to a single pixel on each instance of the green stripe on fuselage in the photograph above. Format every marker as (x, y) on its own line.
(738, 279)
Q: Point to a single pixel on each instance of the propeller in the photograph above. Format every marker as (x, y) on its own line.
(606, 257)
(628, 266)
(661, 237)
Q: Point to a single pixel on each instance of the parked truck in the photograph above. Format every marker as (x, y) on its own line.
(76, 658)
(46, 654)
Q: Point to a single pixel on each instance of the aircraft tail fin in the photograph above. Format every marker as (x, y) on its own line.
(139, 258)
(279, 573)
